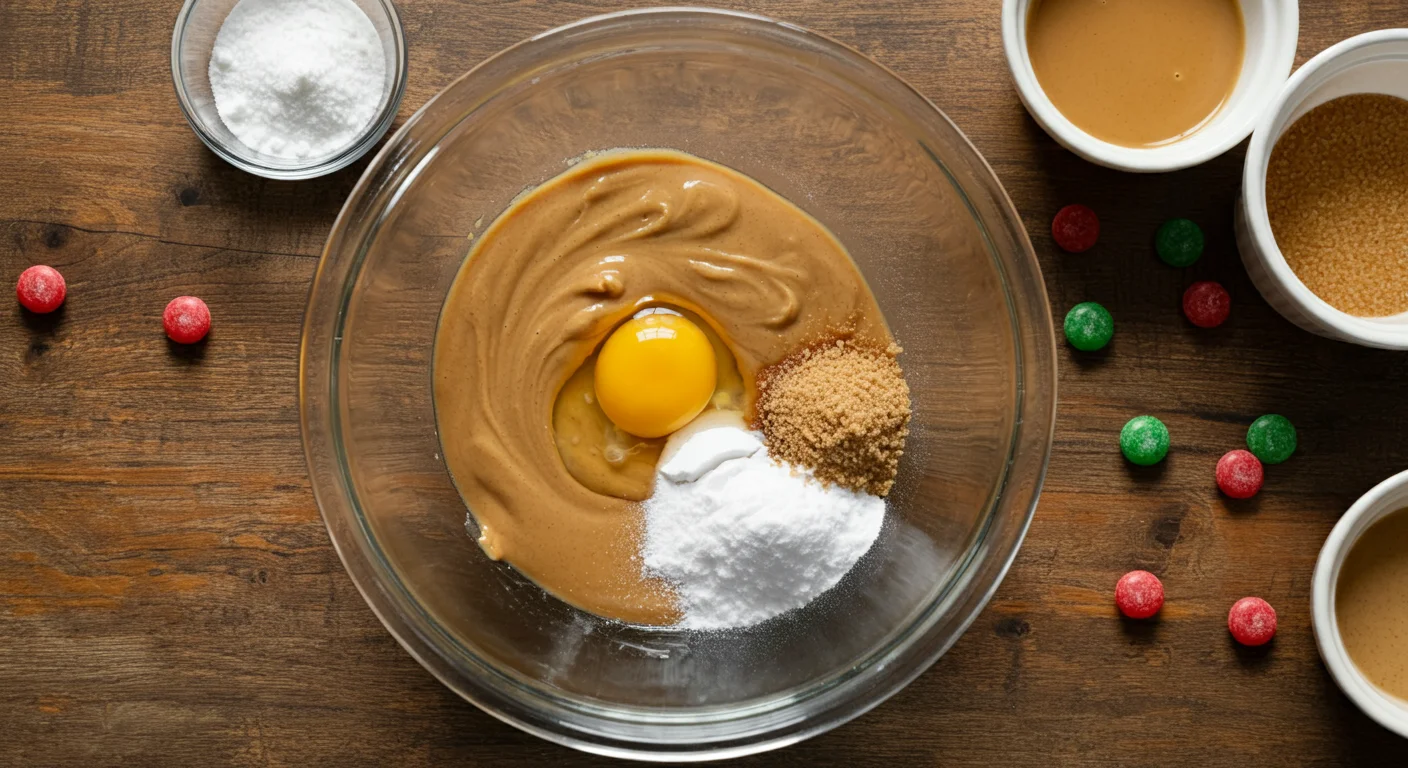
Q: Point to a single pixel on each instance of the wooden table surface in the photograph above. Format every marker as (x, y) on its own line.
(168, 594)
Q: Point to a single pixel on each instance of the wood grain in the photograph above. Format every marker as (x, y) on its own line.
(168, 595)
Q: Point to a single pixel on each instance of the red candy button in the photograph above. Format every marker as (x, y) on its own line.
(1075, 228)
(1139, 594)
(187, 319)
(1252, 621)
(1206, 304)
(41, 289)
(1239, 474)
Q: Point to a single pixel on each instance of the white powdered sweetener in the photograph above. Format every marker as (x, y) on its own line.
(707, 449)
(752, 538)
(297, 79)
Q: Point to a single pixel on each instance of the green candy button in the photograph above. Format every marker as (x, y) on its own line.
(1089, 326)
(1271, 438)
(1179, 242)
(1144, 440)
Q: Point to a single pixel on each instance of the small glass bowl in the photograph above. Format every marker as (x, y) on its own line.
(191, 44)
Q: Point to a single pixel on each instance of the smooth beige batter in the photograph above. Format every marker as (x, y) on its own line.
(545, 285)
(1371, 603)
(1136, 72)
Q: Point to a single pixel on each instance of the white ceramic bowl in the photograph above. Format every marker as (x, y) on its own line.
(1374, 62)
(1272, 27)
(1389, 496)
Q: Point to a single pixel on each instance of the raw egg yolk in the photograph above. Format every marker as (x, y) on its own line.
(655, 373)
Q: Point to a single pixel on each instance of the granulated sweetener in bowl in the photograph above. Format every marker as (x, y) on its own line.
(1337, 198)
(751, 538)
(1320, 222)
(297, 88)
(297, 79)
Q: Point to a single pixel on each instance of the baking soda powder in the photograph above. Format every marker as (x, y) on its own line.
(752, 538)
(297, 79)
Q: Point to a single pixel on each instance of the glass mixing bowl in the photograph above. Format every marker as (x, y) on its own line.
(930, 228)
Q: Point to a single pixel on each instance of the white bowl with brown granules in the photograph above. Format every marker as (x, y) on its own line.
(1322, 225)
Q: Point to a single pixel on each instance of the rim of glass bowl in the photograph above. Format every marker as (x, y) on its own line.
(641, 733)
(322, 166)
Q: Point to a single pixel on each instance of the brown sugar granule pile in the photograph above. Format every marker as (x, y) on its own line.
(840, 409)
(1337, 196)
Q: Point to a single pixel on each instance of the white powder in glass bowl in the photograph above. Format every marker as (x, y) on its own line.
(749, 538)
(297, 79)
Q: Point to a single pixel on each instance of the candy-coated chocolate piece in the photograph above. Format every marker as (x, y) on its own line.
(1075, 228)
(1139, 594)
(41, 289)
(1179, 242)
(1271, 438)
(187, 319)
(1089, 326)
(1239, 474)
(1144, 440)
(1252, 621)
(1206, 304)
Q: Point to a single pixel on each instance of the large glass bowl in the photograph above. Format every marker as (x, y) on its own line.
(930, 228)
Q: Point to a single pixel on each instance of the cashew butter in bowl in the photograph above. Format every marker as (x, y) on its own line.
(1358, 607)
(1148, 85)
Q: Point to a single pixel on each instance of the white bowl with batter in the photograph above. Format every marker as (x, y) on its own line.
(1272, 28)
(1386, 498)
